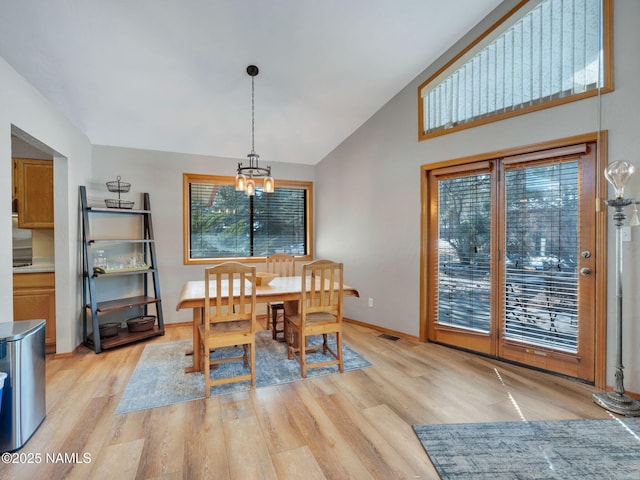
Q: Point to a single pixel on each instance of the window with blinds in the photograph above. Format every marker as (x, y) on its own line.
(541, 245)
(280, 222)
(512, 255)
(464, 263)
(549, 54)
(224, 224)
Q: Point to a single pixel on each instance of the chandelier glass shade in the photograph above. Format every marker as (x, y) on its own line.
(245, 175)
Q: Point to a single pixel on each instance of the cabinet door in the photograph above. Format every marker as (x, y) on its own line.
(14, 187)
(37, 305)
(34, 298)
(34, 193)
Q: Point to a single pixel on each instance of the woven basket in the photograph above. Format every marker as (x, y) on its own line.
(116, 203)
(143, 323)
(109, 329)
(118, 186)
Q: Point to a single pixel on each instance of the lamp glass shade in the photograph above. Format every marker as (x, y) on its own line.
(241, 183)
(617, 174)
(269, 185)
(251, 188)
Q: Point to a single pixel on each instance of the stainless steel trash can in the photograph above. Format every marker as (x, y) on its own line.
(23, 396)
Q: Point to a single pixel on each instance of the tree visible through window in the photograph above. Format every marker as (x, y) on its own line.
(511, 256)
(224, 224)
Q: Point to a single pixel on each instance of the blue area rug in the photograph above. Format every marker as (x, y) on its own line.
(159, 378)
(559, 449)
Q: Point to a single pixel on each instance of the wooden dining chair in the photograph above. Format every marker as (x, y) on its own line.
(319, 313)
(229, 319)
(283, 265)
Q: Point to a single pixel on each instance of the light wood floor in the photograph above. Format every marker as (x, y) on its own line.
(352, 425)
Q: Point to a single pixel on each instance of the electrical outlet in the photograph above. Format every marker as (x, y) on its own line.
(625, 233)
(370, 302)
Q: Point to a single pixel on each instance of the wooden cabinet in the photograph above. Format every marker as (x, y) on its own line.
(33, 190)
(34, 298)
(14, 186)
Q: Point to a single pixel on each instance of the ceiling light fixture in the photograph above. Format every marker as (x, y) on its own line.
(244, 176)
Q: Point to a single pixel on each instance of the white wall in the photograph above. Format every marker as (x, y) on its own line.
(160, 174)
(23, 107)
(368, 190)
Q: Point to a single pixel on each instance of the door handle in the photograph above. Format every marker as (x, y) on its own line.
(585, 271)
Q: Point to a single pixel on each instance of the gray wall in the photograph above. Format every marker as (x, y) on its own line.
(368, 190)
(160, 174)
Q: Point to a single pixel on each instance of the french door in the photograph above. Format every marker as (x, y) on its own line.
(511, 258)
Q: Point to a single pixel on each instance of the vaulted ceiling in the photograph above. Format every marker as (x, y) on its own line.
(171, 75)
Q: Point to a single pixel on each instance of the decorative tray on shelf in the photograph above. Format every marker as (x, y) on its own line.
(120, 269)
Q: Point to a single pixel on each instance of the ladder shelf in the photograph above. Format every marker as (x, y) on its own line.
(93, 277)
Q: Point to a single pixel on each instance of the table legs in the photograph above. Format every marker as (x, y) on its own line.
(197, 363)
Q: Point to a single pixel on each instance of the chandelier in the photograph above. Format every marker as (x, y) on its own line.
(244, 177)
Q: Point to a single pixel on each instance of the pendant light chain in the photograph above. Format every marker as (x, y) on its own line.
(253, 116)
(245, 175)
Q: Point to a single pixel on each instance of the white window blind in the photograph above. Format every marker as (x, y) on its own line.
(464, 261)
(541, 245)
(553, 51)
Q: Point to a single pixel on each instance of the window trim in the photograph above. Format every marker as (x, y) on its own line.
(189, 178)
(607, 63)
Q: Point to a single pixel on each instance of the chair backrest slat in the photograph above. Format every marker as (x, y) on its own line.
(325, 288)
(235, 293)
(282, 264)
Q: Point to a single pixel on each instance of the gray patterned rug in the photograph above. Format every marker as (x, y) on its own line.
(159, 377)
(559, 449)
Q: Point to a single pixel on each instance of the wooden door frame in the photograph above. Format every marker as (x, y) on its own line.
(600, 138)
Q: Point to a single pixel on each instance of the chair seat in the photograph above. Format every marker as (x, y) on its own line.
(312, 319)
(240, 327)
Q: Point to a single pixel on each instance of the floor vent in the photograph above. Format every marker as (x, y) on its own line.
(388, 337)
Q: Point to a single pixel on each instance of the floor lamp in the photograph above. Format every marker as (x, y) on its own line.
(618, 173)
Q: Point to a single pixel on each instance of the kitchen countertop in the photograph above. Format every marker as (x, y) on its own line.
(36, 267)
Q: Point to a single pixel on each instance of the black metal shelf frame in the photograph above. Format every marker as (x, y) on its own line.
(92, 309)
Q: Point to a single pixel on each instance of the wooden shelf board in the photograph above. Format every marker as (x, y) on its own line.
(120, 240)
(124, 337)
(117, 210)
(122, 303)
(128, 272)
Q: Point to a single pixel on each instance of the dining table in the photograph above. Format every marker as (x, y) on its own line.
(280, 289)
